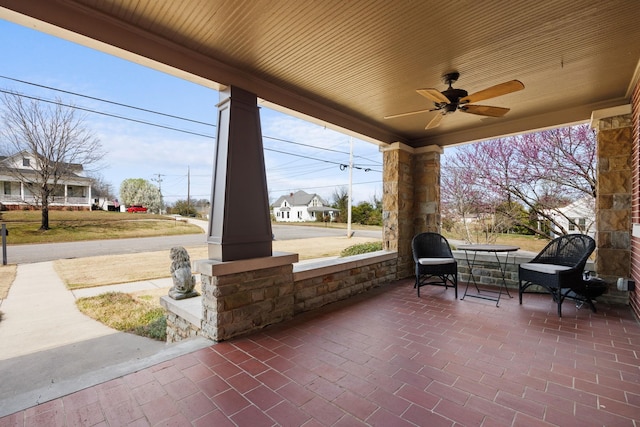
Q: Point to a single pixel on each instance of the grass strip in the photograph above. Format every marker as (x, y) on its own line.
(126, 313)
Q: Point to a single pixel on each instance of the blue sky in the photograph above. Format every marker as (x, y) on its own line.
(136, 150)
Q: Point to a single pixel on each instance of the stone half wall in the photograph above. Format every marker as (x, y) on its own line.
(321, 283)
(487, 272)
(243, 296)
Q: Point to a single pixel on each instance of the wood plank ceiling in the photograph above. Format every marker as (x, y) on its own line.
(351, 63)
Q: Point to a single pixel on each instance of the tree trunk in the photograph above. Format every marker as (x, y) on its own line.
(45, 217)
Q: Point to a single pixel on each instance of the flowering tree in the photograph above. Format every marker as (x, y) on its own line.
(138, 191)
(541, 172)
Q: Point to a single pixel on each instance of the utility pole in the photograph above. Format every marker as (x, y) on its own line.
(188, 189)
(159, 181)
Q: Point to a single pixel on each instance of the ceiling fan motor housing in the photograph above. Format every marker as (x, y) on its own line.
(454, 96)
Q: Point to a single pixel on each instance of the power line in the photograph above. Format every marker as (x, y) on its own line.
(340, 164)
(107, 101)
(158, 113)
(89, 110)
(323, 186)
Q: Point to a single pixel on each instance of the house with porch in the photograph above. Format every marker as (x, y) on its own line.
(17, 178)
(380, 71)
(301, 207)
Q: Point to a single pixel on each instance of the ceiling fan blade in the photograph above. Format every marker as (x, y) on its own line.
(435, 121)
(393, 116)
(485, 110)
(434, 94)
(493, 91)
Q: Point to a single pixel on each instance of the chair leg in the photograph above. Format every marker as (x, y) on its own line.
(559, 300)
(520, 291)
(455, 284)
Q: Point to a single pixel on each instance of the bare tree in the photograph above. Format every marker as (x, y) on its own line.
(56, 139)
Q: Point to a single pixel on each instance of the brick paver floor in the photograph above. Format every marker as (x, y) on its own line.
(388, 358)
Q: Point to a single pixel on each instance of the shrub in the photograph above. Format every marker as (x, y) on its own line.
(361, 248)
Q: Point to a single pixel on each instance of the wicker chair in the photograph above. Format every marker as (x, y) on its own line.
(558, 267)
(434, 260)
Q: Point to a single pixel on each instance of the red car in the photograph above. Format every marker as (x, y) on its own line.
(136, 208)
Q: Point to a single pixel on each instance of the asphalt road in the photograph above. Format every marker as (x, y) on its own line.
(21, 254)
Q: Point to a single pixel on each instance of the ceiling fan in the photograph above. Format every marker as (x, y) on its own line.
(450, 100)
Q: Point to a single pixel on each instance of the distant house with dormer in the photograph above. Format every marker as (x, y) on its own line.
(302, 206)
(18, 177)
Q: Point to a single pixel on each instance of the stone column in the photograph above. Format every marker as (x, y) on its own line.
(426, 166)
(613, 200)
(410, 200)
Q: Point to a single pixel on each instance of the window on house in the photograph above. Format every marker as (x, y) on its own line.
(7, 187)
(579, 224)
(299, 215)
(26, 162)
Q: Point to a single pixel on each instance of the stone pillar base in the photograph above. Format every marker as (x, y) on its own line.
(242, 296)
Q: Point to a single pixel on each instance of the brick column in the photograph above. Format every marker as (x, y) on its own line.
(411, 198)
(613, 201)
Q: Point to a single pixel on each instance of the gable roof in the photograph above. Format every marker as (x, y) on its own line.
(299, 198)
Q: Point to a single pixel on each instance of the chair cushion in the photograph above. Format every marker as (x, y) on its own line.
(435, 261)
(544, 268)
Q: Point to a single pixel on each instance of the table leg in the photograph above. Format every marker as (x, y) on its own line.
(501, 268)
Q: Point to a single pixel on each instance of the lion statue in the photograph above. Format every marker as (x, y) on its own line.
(183, 280)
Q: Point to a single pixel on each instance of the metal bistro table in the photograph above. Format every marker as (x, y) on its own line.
(496, 249)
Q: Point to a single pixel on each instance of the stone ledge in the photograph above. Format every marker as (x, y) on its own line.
(517, 257)
(221, 268)
(325, 267)
(190, 309)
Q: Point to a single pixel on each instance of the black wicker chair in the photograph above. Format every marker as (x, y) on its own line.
(558, 267)
(434, 260)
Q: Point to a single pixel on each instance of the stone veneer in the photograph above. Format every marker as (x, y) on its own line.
(487, 272)
(613, 202)
(410, 200)
(242, 296)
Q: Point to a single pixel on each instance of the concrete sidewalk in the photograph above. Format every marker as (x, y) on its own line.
(49, 349)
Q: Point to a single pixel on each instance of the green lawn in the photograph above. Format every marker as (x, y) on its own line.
(70, 226)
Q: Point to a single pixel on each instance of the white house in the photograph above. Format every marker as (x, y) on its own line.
(301, 206)
(578, 217)
(74, 191)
